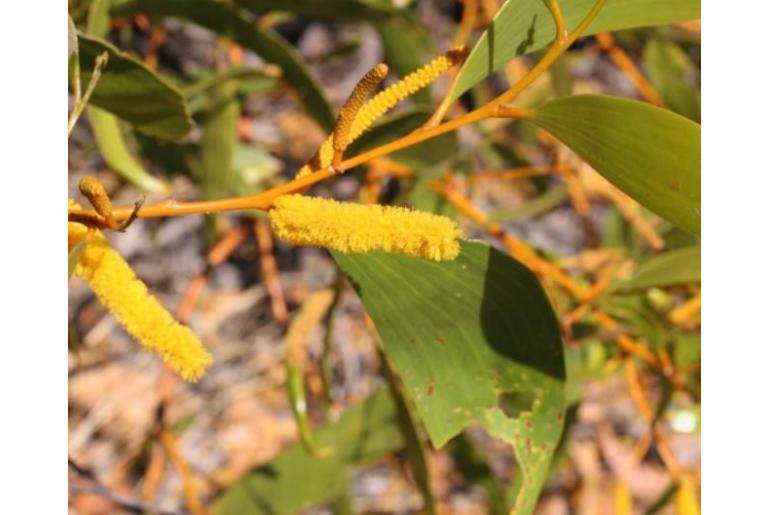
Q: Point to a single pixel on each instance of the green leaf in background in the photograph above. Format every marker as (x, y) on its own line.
(523, 26)
(296, 480)
(635, 312)
(112, 145)
(98, 21)
(74, 257)
(473, 340)
(415, 447)
(72, 38)
(474, 468)
(334, 9)
(681, 266)
(669, 69)
(650, 153)
(531, 208)
(247, 80)
(105, 127)
(226, 21)
(254, 168)
(217, 146)
(133, 92)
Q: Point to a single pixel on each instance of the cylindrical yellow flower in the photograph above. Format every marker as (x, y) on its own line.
(358, 228)
(144, 318)
(384, 101)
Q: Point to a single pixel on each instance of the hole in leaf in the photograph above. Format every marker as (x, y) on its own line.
(515, 403)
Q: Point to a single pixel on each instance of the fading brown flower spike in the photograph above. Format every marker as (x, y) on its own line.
(94, 191)
(341, 136)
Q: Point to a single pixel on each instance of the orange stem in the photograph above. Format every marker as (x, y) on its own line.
(188, 483)
(626, 64)
(270, 271)
(222, 250)
(264, 200)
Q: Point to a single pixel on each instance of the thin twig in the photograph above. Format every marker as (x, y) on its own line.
(77, 109)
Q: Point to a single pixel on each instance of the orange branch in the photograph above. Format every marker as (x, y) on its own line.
(270, 271)
(264, 200)
(188, 482)
(518, 249)
(217, 255)
(626, 64)
(625, 342)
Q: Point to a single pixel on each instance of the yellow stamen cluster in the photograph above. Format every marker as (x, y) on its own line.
(143, 317)
(358, 228)
(386, 100)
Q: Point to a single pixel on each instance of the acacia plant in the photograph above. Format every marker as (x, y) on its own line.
(476, 327)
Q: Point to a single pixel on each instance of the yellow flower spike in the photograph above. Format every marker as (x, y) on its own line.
(143, 317)
(358, 228)
(384, 101)
(415, 81)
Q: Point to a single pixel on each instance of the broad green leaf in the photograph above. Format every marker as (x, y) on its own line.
(650, 153)
(669, 68)
(74, 257)
(334, 9)
(523, 26)
(133, 92)
(109, 138)
(296, 480)
(473, 340)
(231, 23)
(681, 266)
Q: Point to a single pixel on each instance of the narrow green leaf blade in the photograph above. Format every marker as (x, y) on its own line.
(680, 266)
(112, 145)
(295, 479)
(98, 22)
(523, 26)
(650, 153)
(229, 22)
(473, 340)
(669, 68)
(130, 90)
(217, 147)
(72, 38)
